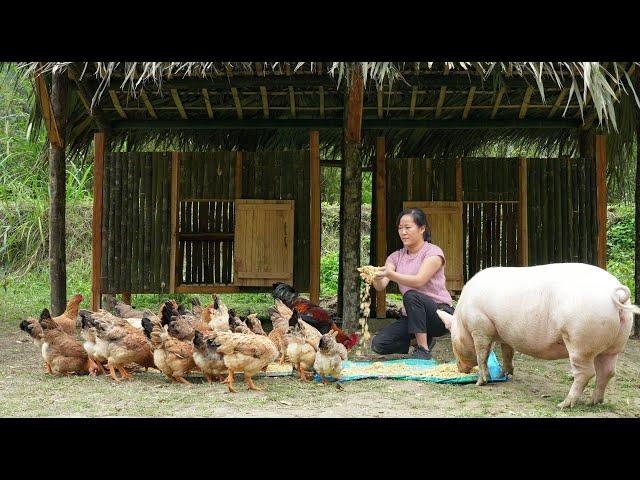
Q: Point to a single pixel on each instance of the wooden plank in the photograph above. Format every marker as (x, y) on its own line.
(148, 222)
(321, 93)
(525, 103)
(147, 104)
(441, 97)
(117, 197)
(107, 227)
(178, 102)
(128, 216)
(207, 102)
(265, 101)
(496, 105)
(459, 182)
(380, 102)
(544, 198)
(381, 220)
(601, 199)
(166, 227)
(467, 108)
(157, 221)
(173, 271)
(292, 102)
(523, 219)
(97, 230)
(50, 123)
(557, 189)
(314, 168)
(236, 101)
(116, 103)
(558, 102)
(135, 220)
(414, 96)
(140, 228)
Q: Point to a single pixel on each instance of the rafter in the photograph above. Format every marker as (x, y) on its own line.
(472, 92)
(178, 102)
(86, 96)
(380, 102)
(443, 92)
(321, 92)
(236, 100)
(292, 101)
(147, 104)
(496, 105)
(116, 103)
(414, 95)
(525, 103)
(207, 102)
(259, 68)
(558, 102)
(265, 102)
(47, 112)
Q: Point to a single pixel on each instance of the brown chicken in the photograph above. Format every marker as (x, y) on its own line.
(197, 308)
(303, 342)
(280, 315)
(244, 353)
(219, 316)
(329, 358)
(254, 323)
(32, 327)
(90, 337)
(124, 347)
(237, 325)
(62, 353)
(171, 356)
(67, 321)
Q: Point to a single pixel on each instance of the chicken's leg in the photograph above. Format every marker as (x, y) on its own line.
(48, 365)
(209, 380)
(124, 373)
(303, 377)
(230, 382)
(324, 380)
(181, 379)
(112, 371)
(252, 385)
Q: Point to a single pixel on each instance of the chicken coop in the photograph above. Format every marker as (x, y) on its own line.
(207, 175)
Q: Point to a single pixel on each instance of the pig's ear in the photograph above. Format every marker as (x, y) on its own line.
(446, 318)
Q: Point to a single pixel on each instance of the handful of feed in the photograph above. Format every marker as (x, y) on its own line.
(368, 273)
(388, 369)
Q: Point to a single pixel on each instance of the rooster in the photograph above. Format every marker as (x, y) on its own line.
(313, 314)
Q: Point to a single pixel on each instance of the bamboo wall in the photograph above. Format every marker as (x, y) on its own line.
(136, 215)
(561, 204)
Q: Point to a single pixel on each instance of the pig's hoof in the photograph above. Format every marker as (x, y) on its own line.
(566, 403)
(481, 381)
(594, 401)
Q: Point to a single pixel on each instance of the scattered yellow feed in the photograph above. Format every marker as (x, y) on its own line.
(445, 370)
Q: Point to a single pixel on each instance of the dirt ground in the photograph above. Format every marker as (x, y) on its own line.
(535, 390)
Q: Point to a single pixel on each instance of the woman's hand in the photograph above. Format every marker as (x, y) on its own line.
(384, 273)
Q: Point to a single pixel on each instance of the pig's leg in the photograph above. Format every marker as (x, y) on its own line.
(483, 348)
(583, 370)
(605, 370)
(507, 359)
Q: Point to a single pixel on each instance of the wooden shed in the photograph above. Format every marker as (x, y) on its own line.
(207, 175)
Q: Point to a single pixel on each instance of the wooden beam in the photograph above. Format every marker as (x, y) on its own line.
(292, 102)
(472, 92)
(414, 96)
(265, 102)
(496, 105)
(558, 102)
(380, 102)
(314, 271)
(178, 102)
(601, 198)
(116, 103)
(236, 100)
(237, 175)
(459, 189)
(523, 222)
(381, 220)
(86, 95)
(96, 246)
(321, 124)
(259, 68)
(47, 113)
(147, 104)
(174, 268)
(525, 103)
(443, 93)
(321, 91)
(207, 102)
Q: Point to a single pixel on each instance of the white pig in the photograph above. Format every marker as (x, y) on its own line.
(549, 311)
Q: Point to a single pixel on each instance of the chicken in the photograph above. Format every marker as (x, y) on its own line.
(328, 362)
(312, 313)
(180, 326)
(132, 325)
(303, 342)
(207, 358)
(67, 321)
(220, 316)
(90, 337)
(280, 315)
(123, 310)
(171, 356)
(62, 353)
(197, 308)
(237, 325)
(33, 328)
(244, 353)
(254, 323)
(124, 347)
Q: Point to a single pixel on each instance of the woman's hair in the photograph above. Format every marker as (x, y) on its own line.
(419, 218)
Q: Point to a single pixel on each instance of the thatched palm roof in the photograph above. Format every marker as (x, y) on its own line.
(428, 108)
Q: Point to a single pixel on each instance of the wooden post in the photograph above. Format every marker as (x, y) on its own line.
(381, 220)
(314, 270)
(98, 181)
(523, 222)
(459, 192)
(601, 198)
(175, 170)
(126, 297)
(350, 217)
(57, 195)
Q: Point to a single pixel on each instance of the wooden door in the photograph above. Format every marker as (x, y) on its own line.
(263, 242)
(445, 219)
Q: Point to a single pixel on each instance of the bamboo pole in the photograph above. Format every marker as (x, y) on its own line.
(97, 227)
(117, 198)
(107, 226)
(544, 194)
(601, 198)
(173, 271)
(128, 215)
(314, 265)
(523, 219)
(148, 224)
(381, 219)
(135, 214)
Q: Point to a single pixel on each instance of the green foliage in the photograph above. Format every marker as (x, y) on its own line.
(329, 274)
(621, 245)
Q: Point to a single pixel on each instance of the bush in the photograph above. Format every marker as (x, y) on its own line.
(621, 245)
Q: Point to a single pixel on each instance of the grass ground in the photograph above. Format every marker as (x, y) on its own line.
(534, 391)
